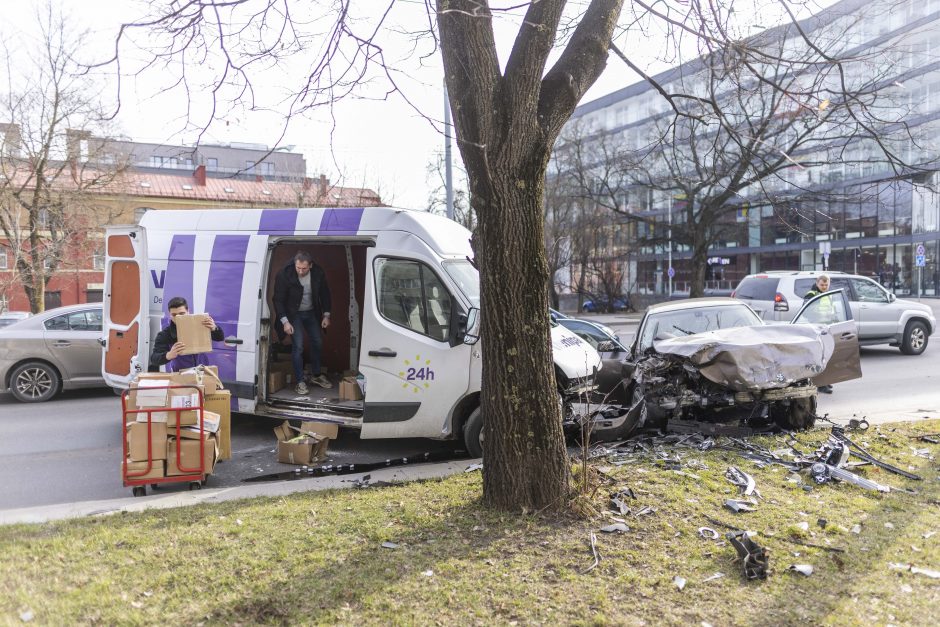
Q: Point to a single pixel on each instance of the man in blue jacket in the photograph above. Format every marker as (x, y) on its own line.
(302, 304)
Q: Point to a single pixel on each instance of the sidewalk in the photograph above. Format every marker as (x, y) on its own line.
(62, 511)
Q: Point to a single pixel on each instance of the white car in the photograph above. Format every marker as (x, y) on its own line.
(9, 317)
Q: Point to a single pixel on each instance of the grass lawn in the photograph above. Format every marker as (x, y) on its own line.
(318, 558)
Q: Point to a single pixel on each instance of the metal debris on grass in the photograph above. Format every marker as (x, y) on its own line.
(615, 528)
(679, 582)
(389, 545)
(473, 467)
(594, 553)
(755, 558)
(933, 574)
(713, 577)
(737, 506)
(708, 533)
(804, 569)
(743, 480)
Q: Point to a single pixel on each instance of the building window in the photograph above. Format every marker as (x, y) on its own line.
(266, 168)
(212, 164)
(4, 260)
(93, 296)
(250, 167)
(97, 259)
(53, 299)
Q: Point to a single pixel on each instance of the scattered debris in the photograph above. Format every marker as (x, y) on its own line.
(823, 472)
(933, 574)
(363, 482)
(646, 510)
(27, 616)
(857, 424)
(929, 533)
(802, 525)
(803, 569)
(739, 506)
(617, 502)
(822, 522)
(389, 545)
(473, 467)
(428, 573)
(889, 525)
(708, 533)
(679, 581)
(594, 553)
(615, 528)
(743, 480)
(713, 577)
(754, 558)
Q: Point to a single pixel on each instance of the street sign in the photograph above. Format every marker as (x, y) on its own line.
(920, 261)
(920, 250)
(671, 272)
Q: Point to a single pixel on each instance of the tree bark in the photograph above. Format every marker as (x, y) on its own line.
(506, 125)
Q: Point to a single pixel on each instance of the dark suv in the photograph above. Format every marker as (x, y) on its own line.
(881, 317)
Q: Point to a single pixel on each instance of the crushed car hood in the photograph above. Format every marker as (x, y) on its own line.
(754, 358)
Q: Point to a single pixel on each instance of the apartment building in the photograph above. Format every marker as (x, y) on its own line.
(841, 205)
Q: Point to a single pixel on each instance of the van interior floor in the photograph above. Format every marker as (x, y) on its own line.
(316, 395)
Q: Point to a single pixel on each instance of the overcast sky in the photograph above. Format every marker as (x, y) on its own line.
(386, 145)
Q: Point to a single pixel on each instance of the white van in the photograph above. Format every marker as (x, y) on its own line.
(405, 299)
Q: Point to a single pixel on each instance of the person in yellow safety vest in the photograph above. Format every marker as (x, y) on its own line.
(821, 287)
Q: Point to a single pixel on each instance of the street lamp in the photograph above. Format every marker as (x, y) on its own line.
(669, 270)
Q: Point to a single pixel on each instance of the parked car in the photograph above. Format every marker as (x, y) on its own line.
(881, 317)
(716, 360)
(51, 351)
(9, 317)
(593, 332)
(602, 304)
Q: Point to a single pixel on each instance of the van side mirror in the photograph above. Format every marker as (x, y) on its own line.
(471, 330)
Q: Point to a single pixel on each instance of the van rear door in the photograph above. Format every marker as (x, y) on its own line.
(126, 298)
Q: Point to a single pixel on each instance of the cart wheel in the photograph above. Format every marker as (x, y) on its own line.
(154, 486)
(195, 485)
(205, 481)
(139, 491)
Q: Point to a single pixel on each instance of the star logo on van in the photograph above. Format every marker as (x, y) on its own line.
(417, 374)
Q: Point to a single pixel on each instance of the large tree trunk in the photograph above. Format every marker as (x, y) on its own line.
(522, 428)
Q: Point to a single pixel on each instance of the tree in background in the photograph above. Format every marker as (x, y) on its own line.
(51, 157)
(437, 199)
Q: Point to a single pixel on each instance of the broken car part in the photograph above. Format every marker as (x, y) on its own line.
(739, 506)
(822, 473)
(755, 558)
(742, 480)
(803, 569)
(708, 533)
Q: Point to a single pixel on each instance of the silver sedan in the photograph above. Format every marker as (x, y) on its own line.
(51, 351)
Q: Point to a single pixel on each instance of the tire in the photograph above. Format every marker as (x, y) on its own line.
(473, 433)
(915, 338)
(34, 382)
(139, 491)
(799, 415)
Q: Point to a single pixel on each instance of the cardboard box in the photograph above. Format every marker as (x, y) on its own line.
(221, 404)
(301, 447)
(189, 456)
(171, 390)
(137, 433)
(210, 425)
(349, 389)
(138, 470)
(191, 331)
(276, 381)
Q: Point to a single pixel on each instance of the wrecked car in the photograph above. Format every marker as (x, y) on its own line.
(714, 360)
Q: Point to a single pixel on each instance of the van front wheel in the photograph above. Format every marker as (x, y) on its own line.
(473, 433)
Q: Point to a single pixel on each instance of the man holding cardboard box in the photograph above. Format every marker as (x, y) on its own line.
(167, 349)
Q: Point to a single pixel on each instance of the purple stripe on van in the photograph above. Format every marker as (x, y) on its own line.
(223, 297)
(278, 222)
(340, 222)
(179, 272)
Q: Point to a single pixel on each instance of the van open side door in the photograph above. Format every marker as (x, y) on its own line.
(126, 329)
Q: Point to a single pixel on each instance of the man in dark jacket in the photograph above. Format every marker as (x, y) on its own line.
(302, 303)
(168, 349)
(821, 287)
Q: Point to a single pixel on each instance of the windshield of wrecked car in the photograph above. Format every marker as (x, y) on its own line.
(661, 326)
(467, 279)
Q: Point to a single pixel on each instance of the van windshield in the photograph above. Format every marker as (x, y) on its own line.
(467, 279)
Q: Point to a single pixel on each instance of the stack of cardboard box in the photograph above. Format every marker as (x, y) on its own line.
(305, 444)
(163, 434)
(280, 374)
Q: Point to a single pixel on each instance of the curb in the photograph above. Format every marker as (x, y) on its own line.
(65, 511)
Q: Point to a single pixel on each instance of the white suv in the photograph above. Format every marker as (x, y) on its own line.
(881, 318)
